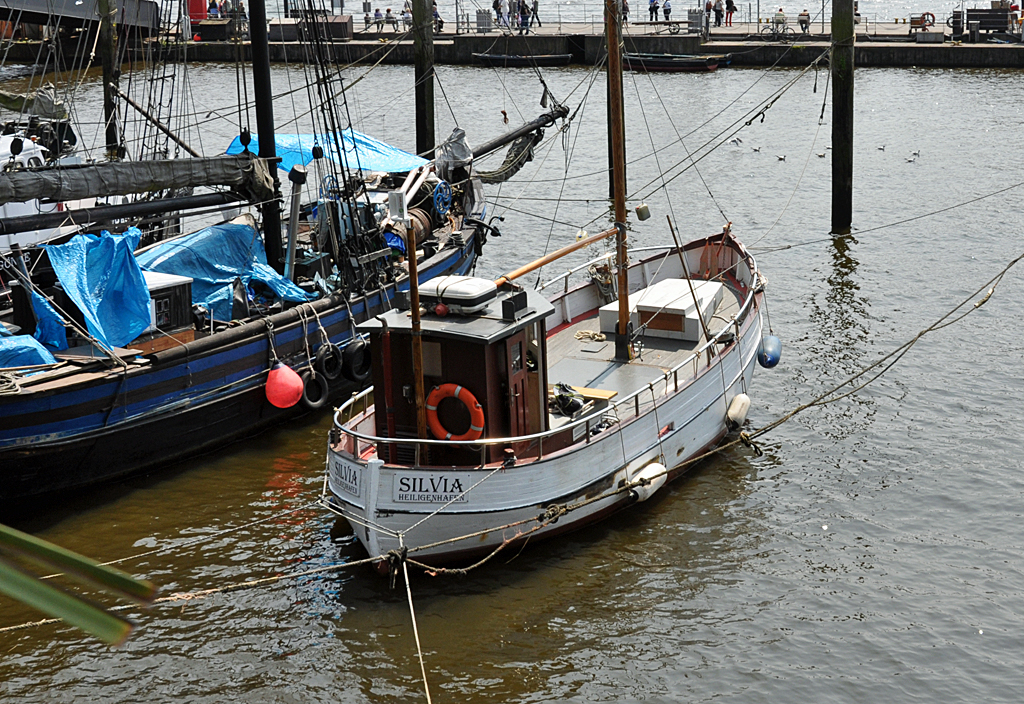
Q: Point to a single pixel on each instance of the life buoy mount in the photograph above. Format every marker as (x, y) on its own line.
(476, 412)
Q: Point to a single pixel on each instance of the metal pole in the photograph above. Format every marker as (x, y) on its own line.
(423, 58)
(842, 116)
(616, 127)
(265, 128)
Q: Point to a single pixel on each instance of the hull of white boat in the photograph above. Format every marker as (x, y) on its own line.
(430, 510)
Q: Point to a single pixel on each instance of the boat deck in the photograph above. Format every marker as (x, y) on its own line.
(588, 363)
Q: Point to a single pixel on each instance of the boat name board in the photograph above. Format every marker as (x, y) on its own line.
(431, 488)
(346, 474)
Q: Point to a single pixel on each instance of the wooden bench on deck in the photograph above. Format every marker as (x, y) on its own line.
(990, 20)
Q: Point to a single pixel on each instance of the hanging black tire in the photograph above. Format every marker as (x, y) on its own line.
(329, 361)
(315, 390)
(356, 361)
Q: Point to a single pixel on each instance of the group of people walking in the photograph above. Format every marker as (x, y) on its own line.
(516, 14)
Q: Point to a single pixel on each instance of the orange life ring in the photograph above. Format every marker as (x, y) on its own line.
(927, 20)
(476, 412)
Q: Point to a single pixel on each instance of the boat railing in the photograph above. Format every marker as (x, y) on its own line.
(565, 275)
(618, 412)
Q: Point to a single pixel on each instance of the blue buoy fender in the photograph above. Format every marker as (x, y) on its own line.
(770, 351)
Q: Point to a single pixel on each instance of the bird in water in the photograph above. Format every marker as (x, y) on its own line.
(756, 149)
(736, 140)
(916, 154)
(821, 155)
(780, 158)
(911, 160)
(881, 148)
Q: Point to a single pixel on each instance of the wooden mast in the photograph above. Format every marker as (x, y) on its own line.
(613, 33)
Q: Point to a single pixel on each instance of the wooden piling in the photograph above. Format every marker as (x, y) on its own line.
(842, 116)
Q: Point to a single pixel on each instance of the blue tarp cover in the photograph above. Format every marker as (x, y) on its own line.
(361, 151)
(101, 276)
(49, 324)
(214, 258)
(23, 351)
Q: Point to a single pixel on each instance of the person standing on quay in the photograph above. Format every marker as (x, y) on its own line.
(504, 14)
(535, 16)
(625, 12)
(666, 9)
(652, 9)
(730, 7)
(719, 11)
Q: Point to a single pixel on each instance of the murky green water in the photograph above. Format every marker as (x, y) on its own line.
(873, 554)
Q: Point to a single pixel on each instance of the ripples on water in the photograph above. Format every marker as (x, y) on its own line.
(873, 554)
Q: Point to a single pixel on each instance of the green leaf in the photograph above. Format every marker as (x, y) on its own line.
(59, 604)
(76, 566)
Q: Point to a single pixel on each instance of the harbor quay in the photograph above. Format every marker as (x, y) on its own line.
(877, 44)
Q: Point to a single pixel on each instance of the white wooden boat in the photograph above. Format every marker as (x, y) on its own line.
(535, 471)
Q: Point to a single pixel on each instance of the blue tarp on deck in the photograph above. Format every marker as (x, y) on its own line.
(101, 276)
(214, 257)
(23, 351)
(361, 151)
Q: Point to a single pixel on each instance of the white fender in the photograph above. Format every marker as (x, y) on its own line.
(649, 480)
(737, 412)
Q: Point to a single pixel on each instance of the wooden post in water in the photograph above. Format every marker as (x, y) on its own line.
(108, 52)
(423, 58)
(842, 116)
(265, 129)
(617, 130)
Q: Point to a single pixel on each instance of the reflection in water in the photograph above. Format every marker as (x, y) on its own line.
(839, 331)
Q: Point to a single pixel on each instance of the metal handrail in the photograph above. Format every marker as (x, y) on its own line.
(476, 444)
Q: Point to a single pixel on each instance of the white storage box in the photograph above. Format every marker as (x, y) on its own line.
(462, 294)
(668, 308)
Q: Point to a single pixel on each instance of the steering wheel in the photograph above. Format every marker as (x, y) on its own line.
(442, 197)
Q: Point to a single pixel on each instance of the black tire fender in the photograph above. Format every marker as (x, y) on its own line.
(329, 361)
(356, 361)
(315, 390)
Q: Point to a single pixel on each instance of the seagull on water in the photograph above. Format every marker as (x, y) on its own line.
(736, 141)
(911, 160)
(917, 153)
(780, 158)
(822, 155)
(881, 148)
(756, 149)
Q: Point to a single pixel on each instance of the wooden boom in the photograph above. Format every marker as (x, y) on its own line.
(557, 254)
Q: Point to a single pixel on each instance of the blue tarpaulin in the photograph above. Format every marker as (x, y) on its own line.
(214, 257)
(49, 324)
(361, 151)
(101, 276)
(23, 351)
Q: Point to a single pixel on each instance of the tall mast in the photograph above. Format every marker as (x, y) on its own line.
(108, 52)
(265, 128)
(613, 32)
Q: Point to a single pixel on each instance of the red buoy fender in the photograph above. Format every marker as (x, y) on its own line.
(928, 19)
(284, 386)
(476, 412)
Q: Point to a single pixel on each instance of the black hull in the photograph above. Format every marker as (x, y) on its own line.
(670, 63)
(517, 60)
